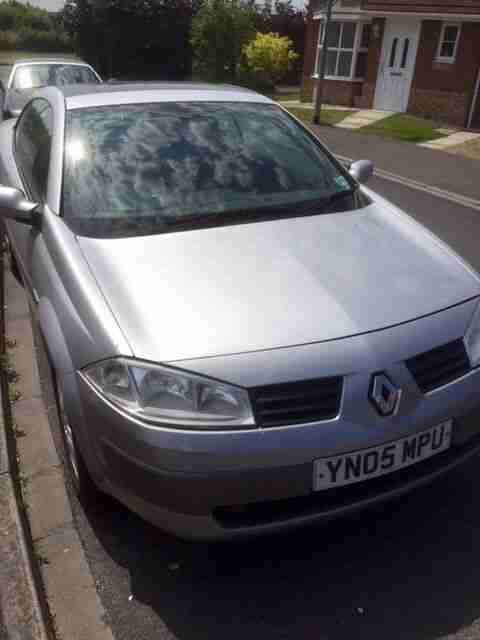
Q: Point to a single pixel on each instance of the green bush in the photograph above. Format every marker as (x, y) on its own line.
(30, 40)
(219, 31)
(268, 58)
(30, 28)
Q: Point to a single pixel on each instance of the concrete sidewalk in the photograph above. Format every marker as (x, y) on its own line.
(22, 617)
(364, 118)
(445, 171)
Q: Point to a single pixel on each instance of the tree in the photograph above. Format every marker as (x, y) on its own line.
(23, 26)
(269, 57)
(142, 39)
(220, 30)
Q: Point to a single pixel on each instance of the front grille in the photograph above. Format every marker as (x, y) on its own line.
(306, 401)
(439, 366)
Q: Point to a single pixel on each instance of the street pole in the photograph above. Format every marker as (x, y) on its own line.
(323, 61)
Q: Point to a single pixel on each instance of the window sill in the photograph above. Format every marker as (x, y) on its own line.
(445, 60)
(339, 78)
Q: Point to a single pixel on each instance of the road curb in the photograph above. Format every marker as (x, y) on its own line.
(68, 585)
(22, 601)
(457, 198)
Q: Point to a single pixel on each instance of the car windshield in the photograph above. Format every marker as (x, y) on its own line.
(40, 75)
(157, 167)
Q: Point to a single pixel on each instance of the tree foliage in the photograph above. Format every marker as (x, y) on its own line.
(282, 17)
(133, 38)
(220, 30)
(23, 26)
(156, 39)
(269, 57)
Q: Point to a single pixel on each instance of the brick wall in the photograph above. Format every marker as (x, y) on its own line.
(444, 106)
(427, 6)
(334, 91)
(444, 91)
(458, 77)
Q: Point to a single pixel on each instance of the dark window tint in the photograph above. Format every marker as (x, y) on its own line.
(348, 35)
(361, 68)
(333, 34)
(154, 167)
(406, 46)
(32, 146)
(365, 41)
(393, 53)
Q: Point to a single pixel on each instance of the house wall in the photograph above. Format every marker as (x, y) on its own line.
(444, 91)
(439, 90)
(334, 91)
(464, 7)
(366, 98)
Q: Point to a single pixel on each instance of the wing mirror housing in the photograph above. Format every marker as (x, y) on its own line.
(361, 170)
(14, 205)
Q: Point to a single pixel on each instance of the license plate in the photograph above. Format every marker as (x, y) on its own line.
(356, 466)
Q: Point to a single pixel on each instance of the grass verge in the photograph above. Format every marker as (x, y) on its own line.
(404, 127)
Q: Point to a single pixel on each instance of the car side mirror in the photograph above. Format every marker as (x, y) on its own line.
(14, 205)
(361, 170)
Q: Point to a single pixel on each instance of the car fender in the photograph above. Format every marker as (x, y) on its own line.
(55, 343)
(66, 376)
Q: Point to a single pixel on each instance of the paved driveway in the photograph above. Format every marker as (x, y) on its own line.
(408, 570)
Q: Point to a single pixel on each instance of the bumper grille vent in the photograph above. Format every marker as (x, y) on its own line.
(294, 402)
(439, 366)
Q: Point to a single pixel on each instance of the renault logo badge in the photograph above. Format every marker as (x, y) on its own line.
(384, 395)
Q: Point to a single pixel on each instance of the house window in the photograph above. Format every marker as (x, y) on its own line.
(447, 46)
(347, 48)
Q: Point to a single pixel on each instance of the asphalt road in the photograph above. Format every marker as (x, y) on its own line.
(408, 570)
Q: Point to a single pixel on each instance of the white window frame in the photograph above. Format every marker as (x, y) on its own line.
(448, 59)
(356, 49)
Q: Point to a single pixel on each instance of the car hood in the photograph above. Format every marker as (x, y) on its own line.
(274, 284)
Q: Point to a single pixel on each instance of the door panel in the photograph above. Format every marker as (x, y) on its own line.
(397, 64)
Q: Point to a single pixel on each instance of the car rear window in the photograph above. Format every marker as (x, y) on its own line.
(153, 168)
(41, 75)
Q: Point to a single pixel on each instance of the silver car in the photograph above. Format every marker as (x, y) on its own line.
(244, 337)
(20, 80)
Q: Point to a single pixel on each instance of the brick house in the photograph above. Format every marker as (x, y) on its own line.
(415, 56)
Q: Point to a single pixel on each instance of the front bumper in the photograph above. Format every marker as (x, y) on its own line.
(215, 485)
(134, 485)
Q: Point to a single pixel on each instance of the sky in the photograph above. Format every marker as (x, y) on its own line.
(50, 5)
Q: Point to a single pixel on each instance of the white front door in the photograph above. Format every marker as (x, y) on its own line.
(397, 64)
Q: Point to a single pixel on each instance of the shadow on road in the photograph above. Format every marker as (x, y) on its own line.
(408, 570)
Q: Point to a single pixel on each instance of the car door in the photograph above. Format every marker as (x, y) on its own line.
(32, 142)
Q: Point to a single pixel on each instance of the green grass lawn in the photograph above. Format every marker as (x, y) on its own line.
(286, 97)
(403, 127)
(328, 116)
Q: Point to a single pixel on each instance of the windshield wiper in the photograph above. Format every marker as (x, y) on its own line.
(322, 205)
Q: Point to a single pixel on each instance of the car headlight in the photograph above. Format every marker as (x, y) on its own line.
(472, 339)
(170, 396)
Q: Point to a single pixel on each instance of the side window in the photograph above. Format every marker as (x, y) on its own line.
(33, 141)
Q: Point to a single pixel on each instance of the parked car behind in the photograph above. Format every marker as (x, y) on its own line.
(18, 81)
(243, 337)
